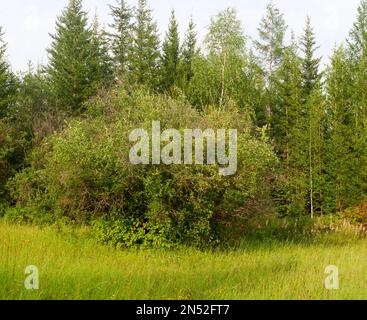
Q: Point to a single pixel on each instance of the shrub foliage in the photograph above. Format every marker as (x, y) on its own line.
(84, 172)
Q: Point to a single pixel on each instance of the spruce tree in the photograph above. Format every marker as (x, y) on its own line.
(358, 35)
(313, 108)
(170, 55)
(316, 160)
(72, 58)
(357, 62)
(310, 64)
(121, 37)
(8, 83)
(287, 85)
(103, 64)
(343, 163)
(188, 53)
(144, 54)
(288, 130)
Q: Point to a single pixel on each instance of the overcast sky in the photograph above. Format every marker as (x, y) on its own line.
(27, 23)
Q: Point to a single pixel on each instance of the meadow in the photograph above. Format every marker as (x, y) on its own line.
(73, 266)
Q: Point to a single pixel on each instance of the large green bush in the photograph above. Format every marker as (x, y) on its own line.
(84, 173)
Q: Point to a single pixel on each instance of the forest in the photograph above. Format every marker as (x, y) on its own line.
(302, 144)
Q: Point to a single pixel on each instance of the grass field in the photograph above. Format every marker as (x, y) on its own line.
(73, 267)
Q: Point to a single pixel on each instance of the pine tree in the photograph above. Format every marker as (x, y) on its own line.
(8, 83)
(121, 38)
(144, 54)
(171, 55)
(72, 58)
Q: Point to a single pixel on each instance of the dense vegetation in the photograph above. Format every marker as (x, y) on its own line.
(65, 127)
(77, 268)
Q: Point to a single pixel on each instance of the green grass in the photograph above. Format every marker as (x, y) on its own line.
(73, 267)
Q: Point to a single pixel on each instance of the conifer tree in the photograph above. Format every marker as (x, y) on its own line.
(288, 131)
(144, 54)
(313, 110)
(8, 83)
(310, 64)
(121, 37)
(343, 163)
(254, 95)
(103, 64)
(170, 55)
(358, 36)
(357, 62)
(72, 58)
(315, 129)
(188, 53)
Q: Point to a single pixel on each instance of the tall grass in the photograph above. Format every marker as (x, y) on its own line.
(72, 266)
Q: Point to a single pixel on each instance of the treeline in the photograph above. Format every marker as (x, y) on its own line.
(315, 121)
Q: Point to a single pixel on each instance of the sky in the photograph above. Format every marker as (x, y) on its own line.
(28, 23)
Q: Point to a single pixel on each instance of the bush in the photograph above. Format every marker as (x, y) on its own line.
(13, 146)
(84, 173)
(131, 233)
(357, 215)
(17, 215)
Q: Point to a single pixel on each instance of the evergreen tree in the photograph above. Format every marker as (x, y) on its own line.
(315, 129)
(144, 54)
(8, 83)
(358, 36)
(254, 95)
(170, 56)
(121, 38)
(298, 133)
(35, 104)
(310, 64)
(357, 64)
(344, 164)
(288, 86)
(289, 133)
(72, 58)
(188, 53)
(314, 113)
(103, 64)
